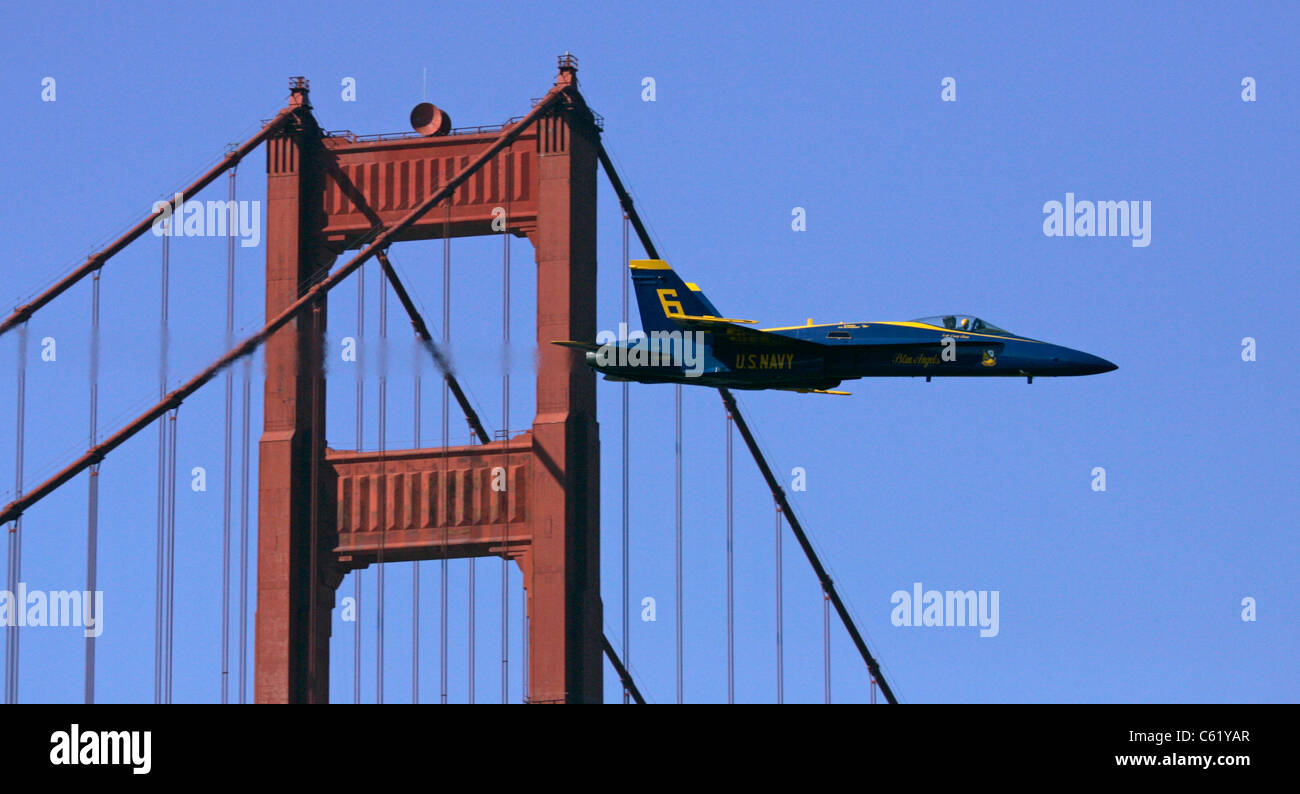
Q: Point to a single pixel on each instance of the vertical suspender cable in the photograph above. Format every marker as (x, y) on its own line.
(505, 436)
(16, 531)
(243, 531)
(225, 480)
(828, 587)
(361, 394)
(826, 641)
(314, 685)
(383, 488)
(92, 506)
(446, 341)
(523, 631)
(731, 595)
(677, 446)
(415, 567)
(446, 297)
(780, 616)
(171, 552)
(159, 584)
(627, 649)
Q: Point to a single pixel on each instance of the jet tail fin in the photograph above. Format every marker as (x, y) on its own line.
(666, 302)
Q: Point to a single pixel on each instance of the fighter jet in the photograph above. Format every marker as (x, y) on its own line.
(687, 340)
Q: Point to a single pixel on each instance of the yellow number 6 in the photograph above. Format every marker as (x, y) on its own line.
(671, 308)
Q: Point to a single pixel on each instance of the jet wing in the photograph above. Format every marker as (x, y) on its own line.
(819, 391)
(732, 331)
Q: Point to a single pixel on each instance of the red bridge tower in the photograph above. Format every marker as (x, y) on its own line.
(323, 512)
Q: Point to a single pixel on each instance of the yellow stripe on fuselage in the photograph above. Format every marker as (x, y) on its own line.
(796, 327)
(928, 327)
(648, 264)
(904, 324)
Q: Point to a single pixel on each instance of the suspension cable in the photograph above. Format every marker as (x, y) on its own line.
(505, 438)
(826, 642)
(470, 580)
(243, 529)
(361, 430)
(624, 676)
(92, 499)
(780, 615)
(99, 258)
(828, 586)
(627, 608)
(226, 460)
(169, 402)
(625, 199)
(731, 595)
(415, 566)
(677, 448)
(477, 430)
(171, 551)
(160, 597)
(446, 340)
(314, 684)
(16, 531)
(523, 642)
(383, 491)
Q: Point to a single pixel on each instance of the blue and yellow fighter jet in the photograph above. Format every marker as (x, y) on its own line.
(686, 340)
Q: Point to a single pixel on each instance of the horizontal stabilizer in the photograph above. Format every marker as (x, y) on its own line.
(592, 346)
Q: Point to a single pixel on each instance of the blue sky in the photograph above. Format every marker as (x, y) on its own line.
(914, 206)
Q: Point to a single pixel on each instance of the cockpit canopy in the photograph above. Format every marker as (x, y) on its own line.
(962, 322)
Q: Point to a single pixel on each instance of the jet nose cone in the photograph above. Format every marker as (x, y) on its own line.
(1078, 362)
